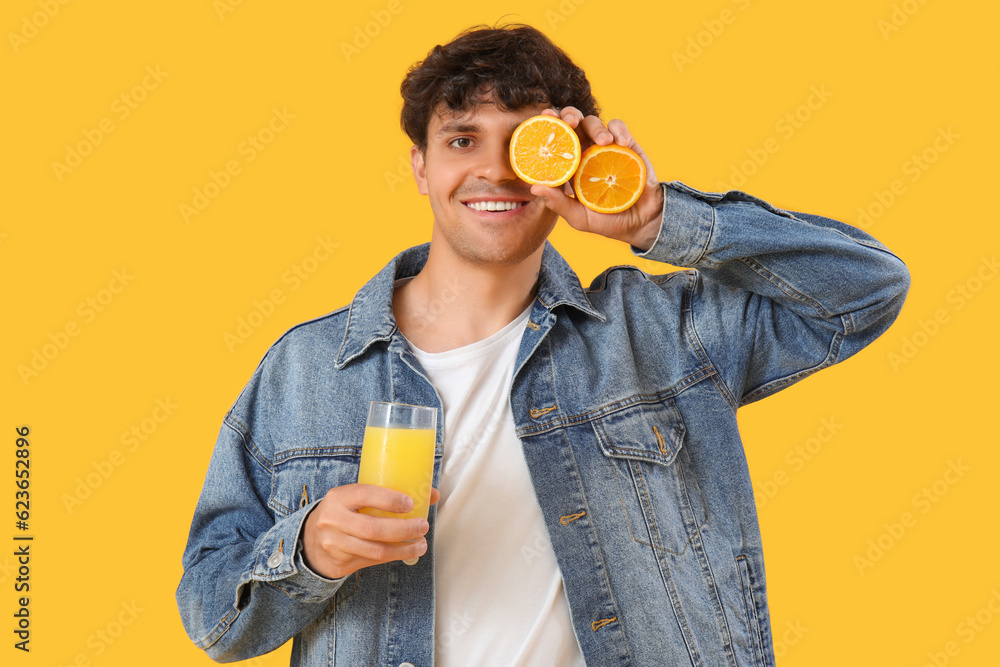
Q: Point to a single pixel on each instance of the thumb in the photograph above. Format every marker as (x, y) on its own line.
(556, 200)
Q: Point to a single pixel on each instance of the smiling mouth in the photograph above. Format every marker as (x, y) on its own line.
(493, 205)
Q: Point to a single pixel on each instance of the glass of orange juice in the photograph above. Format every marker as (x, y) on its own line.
(398, 453)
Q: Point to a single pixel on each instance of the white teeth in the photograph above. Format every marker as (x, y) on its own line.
(494, 205)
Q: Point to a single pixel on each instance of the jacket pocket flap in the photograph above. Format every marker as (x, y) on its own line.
(646, 432)
(300, 479)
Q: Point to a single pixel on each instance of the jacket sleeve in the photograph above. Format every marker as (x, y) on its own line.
(777, 295)
(245, 589)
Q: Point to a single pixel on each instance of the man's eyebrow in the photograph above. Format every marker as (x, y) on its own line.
(458, 125)
(461, 126)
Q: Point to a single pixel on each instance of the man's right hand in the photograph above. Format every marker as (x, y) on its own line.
(339, 540)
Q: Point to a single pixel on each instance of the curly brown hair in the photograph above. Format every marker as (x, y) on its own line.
(515, 64)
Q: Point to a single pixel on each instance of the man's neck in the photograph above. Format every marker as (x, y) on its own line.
(452, 303)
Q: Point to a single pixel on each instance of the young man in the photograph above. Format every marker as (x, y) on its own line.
(595, 505)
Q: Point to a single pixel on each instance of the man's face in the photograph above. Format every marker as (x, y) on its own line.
(465, 170)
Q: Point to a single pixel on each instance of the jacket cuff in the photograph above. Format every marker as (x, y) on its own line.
(279, 561)
(685, 228)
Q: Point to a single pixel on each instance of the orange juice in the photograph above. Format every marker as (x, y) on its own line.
(401, 459)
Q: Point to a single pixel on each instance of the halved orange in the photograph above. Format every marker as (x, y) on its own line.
(544, 150)
(610, 178)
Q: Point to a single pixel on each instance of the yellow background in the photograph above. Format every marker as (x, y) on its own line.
(893, 75)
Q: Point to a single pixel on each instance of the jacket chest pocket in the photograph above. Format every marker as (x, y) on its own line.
(660, 495)
(301, 479)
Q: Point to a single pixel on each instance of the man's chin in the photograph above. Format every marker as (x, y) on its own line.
(500, 254)
(497, 245)
(501, 258)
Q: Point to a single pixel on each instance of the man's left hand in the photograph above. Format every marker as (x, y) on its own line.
(637, 225)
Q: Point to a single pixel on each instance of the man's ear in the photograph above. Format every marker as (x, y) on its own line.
(418, 167)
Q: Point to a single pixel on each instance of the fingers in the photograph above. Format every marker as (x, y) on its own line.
(571, 115)
(357, 496)
(592, 128)
(645, 214)
(381, 529)
(348, 554)
(566, 207)
(339, 540)
(368, 552)
(343, 515)
(614, 132)
(622, 136)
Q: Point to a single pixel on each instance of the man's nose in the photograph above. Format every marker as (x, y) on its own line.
(494, 165)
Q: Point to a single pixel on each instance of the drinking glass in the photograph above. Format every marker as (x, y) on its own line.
(398, 453)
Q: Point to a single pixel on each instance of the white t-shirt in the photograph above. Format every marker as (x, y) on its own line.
(499, 597)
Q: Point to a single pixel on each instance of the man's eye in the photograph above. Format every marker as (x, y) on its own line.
(461, 142)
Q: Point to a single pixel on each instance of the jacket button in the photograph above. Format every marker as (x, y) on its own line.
(275, 560)
(406, 664)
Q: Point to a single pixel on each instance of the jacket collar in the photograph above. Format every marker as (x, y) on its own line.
(370, 318)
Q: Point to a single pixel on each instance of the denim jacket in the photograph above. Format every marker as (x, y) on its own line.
(624, 398)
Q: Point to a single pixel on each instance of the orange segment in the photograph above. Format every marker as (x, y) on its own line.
(544, 150)
(610, 178)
